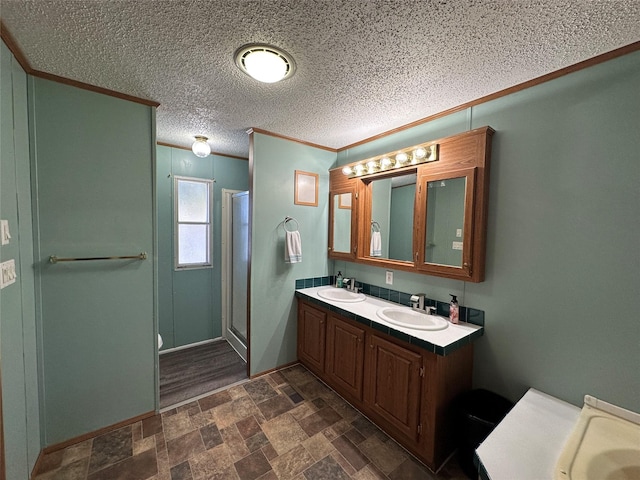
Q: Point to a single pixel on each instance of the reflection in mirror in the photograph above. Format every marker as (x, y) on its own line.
(392, 205)
(342, 223)
(445, 221)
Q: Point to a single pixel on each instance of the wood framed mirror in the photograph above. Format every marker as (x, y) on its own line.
(429, 218)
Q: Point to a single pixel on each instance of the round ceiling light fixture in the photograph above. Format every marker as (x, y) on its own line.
(200, 147)
(265, 63)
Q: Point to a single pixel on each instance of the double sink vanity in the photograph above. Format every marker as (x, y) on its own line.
(420, 209)
(423, 209)
(403, 378)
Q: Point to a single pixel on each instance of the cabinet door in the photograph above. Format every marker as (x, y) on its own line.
(311, 337)
(394, 385)
(345, 357)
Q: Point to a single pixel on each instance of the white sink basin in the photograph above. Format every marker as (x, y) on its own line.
(404, 317)
(604, 444)
(341, 295)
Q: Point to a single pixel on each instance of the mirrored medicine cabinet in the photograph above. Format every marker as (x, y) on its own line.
(428, 218)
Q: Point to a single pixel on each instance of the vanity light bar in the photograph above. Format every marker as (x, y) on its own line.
(406, 157)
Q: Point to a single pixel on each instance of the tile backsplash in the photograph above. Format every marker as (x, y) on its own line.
(467, 314)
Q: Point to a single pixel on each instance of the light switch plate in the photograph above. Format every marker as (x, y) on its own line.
(7, 273)
(4, 232)
(458, 232)
(456, 245)
(389, 278)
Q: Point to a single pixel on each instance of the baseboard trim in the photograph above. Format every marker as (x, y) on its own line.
(36, 466)
(95, 433)
(267, 372)
(190, 345)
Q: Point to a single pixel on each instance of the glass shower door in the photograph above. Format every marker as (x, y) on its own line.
(239, 268)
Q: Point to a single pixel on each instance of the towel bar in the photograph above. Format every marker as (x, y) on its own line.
(54, 259)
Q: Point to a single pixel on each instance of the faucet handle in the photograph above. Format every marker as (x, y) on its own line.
(431, 310)
(417, 301)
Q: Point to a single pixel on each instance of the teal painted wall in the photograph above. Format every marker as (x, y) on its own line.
(561, 289)
(273, 306)
(190, 300)
(92, 162)
(18, 342)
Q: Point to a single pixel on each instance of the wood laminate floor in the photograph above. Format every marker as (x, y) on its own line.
(191, 372)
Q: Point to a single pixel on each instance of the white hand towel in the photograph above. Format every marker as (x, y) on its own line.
(292, 247)
(376, 244)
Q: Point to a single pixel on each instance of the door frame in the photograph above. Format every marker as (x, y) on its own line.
(225, 273)
(2, 460)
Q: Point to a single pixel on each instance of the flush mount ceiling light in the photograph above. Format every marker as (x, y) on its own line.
(265, 63)
(200, 147)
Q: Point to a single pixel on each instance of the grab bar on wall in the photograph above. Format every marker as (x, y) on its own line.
(54, 259)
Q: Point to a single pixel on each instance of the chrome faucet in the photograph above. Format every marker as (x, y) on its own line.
(417, 301)
(351, 284)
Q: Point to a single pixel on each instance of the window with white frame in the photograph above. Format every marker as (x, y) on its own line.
(193, 225)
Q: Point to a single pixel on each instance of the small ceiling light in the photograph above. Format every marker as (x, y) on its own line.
(347, 170)
(265, 63)
(200, 147)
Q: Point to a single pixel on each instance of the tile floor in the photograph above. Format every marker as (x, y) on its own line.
(285, 425)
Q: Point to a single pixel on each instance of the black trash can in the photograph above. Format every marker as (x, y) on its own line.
(477, 414)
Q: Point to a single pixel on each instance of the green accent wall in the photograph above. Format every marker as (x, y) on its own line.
(18, 341)
(190, 300)
(273, 306)
(561, 288)
(92, 162)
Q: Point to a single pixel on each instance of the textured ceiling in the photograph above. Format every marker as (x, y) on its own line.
(363, 67)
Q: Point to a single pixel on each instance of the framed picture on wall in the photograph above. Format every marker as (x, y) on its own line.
(306, 189)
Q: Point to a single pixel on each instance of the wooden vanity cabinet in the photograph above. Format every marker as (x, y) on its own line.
(406, 390)
(311, 337)
(344, 365)
(394, 380)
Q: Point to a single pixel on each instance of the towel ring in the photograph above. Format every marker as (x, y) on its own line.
(375, 226)
(290, 219)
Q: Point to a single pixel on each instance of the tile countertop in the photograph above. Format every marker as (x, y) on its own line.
(441, 342)
(527, 443)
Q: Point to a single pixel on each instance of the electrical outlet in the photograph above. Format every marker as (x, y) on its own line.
(458, 232)
(7, 273)
(389, 278)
